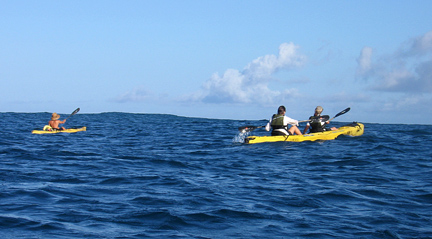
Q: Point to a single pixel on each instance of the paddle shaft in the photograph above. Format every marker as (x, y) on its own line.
(251, 128)
(321, 118)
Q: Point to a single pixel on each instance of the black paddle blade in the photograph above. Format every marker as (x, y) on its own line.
(248, 128)
(342, 112)
(75, 111)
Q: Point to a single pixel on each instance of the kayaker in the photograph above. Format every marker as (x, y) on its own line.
(279, 123)
(54, 122)
(317, 126)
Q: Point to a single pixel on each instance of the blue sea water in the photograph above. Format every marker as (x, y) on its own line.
(165, 176)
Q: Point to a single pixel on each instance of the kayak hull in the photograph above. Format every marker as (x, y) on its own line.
(354, 129)
(59, 131)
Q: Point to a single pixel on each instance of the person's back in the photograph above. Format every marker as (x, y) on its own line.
(54, 122)
(279, 123)
(316, 125)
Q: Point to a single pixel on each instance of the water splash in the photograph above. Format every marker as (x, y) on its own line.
(240, 137)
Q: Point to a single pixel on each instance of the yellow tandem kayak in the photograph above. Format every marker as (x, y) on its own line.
(59, 131)
(354, 129)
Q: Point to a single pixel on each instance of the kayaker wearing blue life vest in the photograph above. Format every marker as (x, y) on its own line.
(316, 125)
(279, 123)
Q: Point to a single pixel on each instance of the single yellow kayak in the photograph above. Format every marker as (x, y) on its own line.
(59, 131)
(354, 129)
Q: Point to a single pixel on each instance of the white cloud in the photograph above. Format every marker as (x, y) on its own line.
(418, 46)
(407, 70)
(364, 61)
(135, 95)
(251, 84)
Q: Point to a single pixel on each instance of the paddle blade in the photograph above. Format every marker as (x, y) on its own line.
(248, 128)
(75, 111)
(342, 112)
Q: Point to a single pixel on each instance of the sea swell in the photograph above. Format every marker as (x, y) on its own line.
(197, 180)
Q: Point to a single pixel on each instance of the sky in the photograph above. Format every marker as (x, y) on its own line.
(220, 59)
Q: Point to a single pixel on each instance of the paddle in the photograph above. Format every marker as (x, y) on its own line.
(73, 113)
(321, 118)
(341, 113)
(250, 128)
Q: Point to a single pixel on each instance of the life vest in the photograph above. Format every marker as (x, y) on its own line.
(316, 125)
(278, 122)
(47, 128)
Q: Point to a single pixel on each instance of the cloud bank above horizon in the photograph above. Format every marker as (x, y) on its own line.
(403, 78)
(406, 71)
(251, 85)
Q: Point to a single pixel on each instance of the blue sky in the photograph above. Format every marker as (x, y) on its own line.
(219, 59)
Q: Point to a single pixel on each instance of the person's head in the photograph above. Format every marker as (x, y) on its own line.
(281, 110)
(55, 116)
(318, 110)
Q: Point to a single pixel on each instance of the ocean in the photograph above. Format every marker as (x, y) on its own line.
(166, 176)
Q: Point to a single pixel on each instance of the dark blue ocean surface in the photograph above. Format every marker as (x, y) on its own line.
(164, 176)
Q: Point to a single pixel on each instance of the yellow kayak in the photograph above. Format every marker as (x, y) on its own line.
(59, 131)
(354, 129)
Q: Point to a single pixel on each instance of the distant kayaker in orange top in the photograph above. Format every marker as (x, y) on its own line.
(54, 122)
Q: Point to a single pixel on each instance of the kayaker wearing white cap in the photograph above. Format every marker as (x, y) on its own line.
(316, 125)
